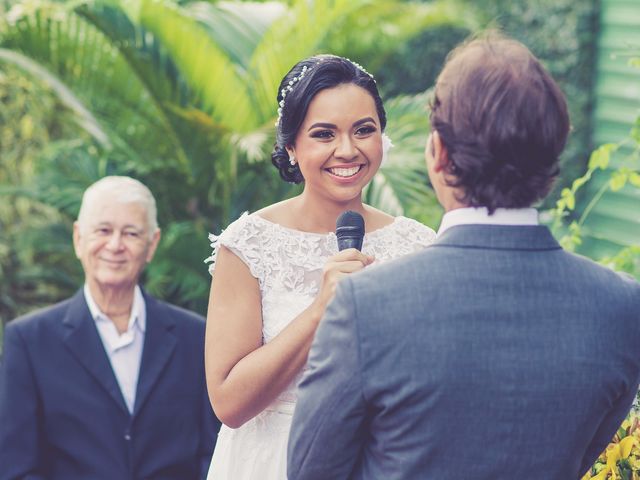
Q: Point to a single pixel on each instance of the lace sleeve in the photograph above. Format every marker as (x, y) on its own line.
(242, 237)
(419, 234)
(403, 237)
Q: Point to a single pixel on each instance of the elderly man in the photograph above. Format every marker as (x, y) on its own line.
(492, 354)
(108, 384)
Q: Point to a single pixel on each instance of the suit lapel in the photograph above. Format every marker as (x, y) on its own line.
(83, 341)
(159, 346)
(498, 237)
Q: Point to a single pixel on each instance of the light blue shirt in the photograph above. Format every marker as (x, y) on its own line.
(124, 350)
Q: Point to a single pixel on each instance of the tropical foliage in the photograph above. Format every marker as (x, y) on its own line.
(182, 96)
(613, 176)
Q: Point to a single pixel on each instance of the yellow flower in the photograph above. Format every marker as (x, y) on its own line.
(622, 456)
(600, 476)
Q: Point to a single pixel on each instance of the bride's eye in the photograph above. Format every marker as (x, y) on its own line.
(365, 130)
(323, 134)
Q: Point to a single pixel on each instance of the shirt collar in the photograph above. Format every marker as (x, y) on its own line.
(480, 216)
(138, 309)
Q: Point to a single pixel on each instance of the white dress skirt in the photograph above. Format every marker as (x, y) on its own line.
(288, 266)
(257, 450)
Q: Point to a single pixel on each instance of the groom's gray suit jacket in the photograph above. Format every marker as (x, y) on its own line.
(492, 354)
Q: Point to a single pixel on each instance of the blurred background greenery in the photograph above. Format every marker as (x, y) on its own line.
(181, 95)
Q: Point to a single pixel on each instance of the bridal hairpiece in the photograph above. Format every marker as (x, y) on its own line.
(361, 68)
(285, 91)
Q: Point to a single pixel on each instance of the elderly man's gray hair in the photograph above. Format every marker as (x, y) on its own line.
(119, 189)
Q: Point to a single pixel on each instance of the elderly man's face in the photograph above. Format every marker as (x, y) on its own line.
(115, 244)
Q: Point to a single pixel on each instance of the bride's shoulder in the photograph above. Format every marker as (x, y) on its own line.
(413, 231)
(271, 214)
(377, 219)
(247, 225)
(277, 213)
(401, 225)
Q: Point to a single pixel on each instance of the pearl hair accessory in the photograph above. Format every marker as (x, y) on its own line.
(288, 88)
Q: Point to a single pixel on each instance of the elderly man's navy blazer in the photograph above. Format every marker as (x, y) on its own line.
(492, 354)
(63, 416)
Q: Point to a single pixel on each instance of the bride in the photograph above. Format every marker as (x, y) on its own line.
(275, 271)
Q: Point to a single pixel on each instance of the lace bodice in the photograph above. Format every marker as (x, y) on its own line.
(288, 263)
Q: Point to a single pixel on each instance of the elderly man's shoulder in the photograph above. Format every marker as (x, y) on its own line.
(43, 317)
(180, 315)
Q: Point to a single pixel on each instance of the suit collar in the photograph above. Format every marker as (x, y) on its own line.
(498, 237)
(83, 341)
(159, 346)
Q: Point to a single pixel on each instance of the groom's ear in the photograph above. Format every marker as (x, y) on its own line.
(440, 154)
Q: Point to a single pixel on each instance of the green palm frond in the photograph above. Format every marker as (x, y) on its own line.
(217, 82)
(82, 115)
(372, 34)
(294, 36)
(91, 64)
(237, 27)
(402, 185)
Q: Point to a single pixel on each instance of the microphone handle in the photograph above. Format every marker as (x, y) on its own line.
(345, 242)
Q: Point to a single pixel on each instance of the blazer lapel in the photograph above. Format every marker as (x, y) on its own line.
(159, 346)
(83, 341)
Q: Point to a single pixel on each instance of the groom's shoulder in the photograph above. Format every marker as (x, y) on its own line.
(604, 276)
(393, 272)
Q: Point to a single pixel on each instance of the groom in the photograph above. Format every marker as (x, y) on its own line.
(493, 354)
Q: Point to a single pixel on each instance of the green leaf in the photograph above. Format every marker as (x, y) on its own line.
(634, 179)
(601, 156)
(569, 198)
(635, 131)
(634, 62)
(579, 182)
(618, 180)
(575, 229)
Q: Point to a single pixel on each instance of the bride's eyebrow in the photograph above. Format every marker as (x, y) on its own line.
(322, 125)
(331, 125)
(364, 120)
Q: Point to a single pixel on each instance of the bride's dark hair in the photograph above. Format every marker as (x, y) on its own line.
(322, 72)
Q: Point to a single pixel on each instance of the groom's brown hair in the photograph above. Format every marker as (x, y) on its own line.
(503, 121)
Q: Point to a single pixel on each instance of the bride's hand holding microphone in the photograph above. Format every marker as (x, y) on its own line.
(349, 259)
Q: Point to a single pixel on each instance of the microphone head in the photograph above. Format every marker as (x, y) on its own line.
(350, 230)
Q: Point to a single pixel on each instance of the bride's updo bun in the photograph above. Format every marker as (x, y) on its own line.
(280, 158)
(299, 87)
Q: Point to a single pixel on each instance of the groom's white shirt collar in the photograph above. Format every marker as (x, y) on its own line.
(480, 216)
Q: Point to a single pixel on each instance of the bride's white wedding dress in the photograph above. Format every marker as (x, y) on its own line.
(288, 265)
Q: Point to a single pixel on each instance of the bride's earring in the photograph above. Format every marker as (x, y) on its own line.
(292, 160)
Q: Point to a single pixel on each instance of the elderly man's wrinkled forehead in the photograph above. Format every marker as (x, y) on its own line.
(116, 190)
